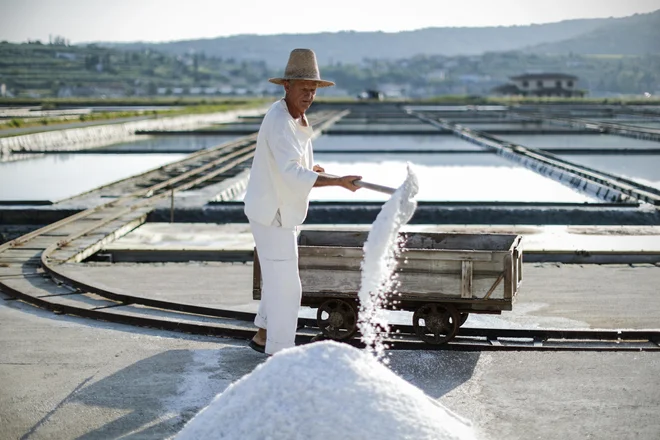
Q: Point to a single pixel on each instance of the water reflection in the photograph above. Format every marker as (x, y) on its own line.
(171, 143)
(58, 176)
(396, 142)
(644, 169)
(456, 177)
(577, 141)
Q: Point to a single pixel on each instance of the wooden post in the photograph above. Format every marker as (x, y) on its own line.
(508, 277)
(172, 206)
(466, 279)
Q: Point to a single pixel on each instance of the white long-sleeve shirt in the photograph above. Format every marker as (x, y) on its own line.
(281, 177)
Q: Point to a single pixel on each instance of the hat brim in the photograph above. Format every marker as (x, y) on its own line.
(319, 82)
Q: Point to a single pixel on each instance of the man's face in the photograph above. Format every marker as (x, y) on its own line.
(301, 93)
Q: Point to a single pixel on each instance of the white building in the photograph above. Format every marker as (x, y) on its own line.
(541, 84)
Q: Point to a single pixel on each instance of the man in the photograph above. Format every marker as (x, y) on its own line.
(277, 199)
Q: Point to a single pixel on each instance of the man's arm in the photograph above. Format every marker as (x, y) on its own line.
(343, 181)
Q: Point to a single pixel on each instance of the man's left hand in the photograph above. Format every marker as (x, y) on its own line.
(318, 169)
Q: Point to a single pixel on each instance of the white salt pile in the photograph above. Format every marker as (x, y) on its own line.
(322, 391)
(380, 252)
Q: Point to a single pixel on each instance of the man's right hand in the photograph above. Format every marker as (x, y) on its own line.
(347, 182)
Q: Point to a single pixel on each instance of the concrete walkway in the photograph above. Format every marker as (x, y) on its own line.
(69, 378)
(551, 295)
(237, 236)
(67, 125)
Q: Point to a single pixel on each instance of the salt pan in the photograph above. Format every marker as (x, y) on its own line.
(322, 391)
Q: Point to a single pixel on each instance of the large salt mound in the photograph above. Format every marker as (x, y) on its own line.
(322, 391)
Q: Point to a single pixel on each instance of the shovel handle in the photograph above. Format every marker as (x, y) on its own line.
(374, 187)
(368, 185)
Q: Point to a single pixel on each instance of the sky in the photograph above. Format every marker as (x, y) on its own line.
(82, 21)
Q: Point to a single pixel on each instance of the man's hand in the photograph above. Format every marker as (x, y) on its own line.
(318, 169)
(347, 182)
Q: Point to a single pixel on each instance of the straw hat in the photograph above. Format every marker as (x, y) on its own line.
(302, 65)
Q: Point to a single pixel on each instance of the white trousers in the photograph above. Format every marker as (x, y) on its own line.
(277, 249)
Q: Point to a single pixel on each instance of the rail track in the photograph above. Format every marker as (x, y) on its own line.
(33, 268)
(65, 295)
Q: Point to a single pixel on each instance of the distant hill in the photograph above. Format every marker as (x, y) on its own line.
(635, 35)
(610, 56)
(353, 47)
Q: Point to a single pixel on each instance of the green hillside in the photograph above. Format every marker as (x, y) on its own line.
(353, 47)
(636, 35)
(57, 70)
(52, 69)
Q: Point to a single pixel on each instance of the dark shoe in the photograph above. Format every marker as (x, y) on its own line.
(257, 347)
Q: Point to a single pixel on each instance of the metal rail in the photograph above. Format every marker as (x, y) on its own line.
(236, 324)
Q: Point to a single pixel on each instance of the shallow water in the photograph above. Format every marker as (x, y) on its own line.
(174, 142)
(643, 168)
(455, 177)
(57, 176)
(395, 142)
(603, 141)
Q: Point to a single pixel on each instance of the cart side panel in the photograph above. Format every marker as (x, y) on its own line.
(479, 242)
(415, 240)
(421, 285)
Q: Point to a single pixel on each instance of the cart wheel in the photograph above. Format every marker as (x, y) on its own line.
(463, 318)
(436, 323)
(337, 319)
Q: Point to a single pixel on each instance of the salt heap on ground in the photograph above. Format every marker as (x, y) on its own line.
(322, 391)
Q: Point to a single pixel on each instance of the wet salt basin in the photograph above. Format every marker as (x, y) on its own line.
(170, 142)
(496, 125)
(645, 124)
(644, 169)
(455, 177)
(394, 142)
(236, 126)
(443, 177)
(600, 141)
(386, 127)
(57, 176)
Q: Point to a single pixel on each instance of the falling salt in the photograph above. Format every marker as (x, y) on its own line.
(380, 258)
(321, 391)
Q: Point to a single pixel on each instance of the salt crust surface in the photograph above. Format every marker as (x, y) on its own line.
(322, 391)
